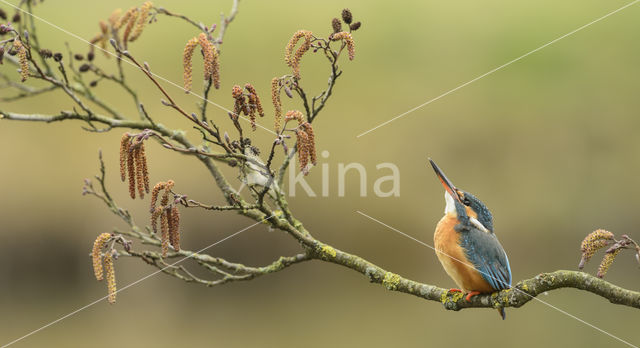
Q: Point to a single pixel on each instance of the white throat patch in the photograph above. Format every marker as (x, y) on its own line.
(451, 208)
(451, 205)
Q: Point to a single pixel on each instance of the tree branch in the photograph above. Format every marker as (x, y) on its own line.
(521, 293)
(228, 271)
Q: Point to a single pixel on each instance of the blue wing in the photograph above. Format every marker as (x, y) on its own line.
(487, 255)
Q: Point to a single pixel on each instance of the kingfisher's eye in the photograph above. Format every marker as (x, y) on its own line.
(467, 202)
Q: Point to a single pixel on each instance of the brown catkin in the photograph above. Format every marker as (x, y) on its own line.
(132, 173)
(249, 87)
(238, 107)
(588, 253)
(132, 22)
(606, 262)
(137, 157)
(216, 67)
(593, 242)
(145, 169)
(277, 103)
(154, 219)
(154, 194)
(288, 51)
(165, 198)
(96, 254)
(245, 108)
(252, 110)
(303, 150)
(167, 189)
(207, 51)
(251, 99)
(236, 92)
(168, 212)
(311, 142)
(348, 39)
(124, 152)
(164, 237)
(93, 41)
(294, 115)
(111, 278)
(113, 18)
(103, 37)
(186, 63)
(142, 20)
(174, 227)
(22, 59)
(594, 236)
(294, 62)
(104, 27)
(125, 18)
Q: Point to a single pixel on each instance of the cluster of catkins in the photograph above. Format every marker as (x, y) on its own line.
(168, 214)
(211, 61)
(293, 59)
(247, 102)
(99, 259)
(133, 21)
(133, 163)
(339, 34)
(305, 140)
(600, 239)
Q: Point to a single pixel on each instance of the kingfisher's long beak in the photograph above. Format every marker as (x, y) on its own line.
(448, 185)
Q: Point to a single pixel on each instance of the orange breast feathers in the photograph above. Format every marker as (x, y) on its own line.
(453, 258)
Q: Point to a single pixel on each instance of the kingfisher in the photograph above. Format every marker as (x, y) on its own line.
(466, 246)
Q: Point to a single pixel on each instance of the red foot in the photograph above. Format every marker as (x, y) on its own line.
(454, 290)
(471, 294)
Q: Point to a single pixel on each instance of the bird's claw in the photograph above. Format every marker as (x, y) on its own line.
(470, 295)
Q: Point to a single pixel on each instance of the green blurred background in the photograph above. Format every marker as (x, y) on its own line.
(548, 143)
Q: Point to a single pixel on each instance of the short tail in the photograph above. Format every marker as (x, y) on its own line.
(502, 313)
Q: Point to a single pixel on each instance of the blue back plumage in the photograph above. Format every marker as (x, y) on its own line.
(483, 249)
(487, 255)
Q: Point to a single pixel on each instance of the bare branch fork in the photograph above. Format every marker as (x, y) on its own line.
(266, 203)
